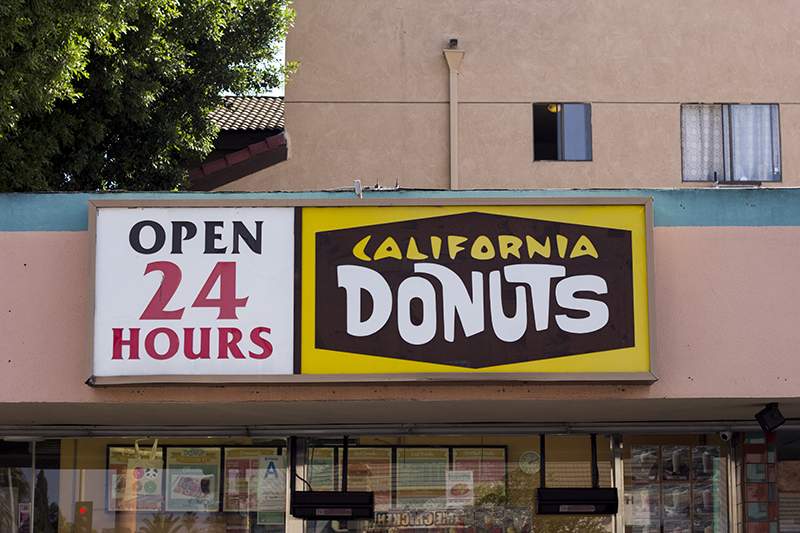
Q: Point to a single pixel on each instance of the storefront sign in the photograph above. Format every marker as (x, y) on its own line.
(533, 289)
(445, 289)
(193, 291)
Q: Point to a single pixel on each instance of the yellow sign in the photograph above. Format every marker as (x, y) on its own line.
(551, 289)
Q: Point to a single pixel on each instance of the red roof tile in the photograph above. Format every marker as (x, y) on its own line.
(250, 113)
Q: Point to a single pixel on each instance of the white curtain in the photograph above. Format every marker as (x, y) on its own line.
(756, 145)
(702, 143)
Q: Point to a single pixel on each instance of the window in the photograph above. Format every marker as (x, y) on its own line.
(730, 142)
(562, 132)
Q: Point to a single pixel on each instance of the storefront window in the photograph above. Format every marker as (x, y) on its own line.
(673, 484)
(676, 484)
(23, 499)
(460, 484)
(787, 476)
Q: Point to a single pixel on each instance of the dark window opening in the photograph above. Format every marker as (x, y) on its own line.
(562, 132)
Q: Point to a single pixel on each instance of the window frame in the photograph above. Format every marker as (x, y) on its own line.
(727, 137)
(561, 134)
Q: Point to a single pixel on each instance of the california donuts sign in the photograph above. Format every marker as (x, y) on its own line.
(535, 288)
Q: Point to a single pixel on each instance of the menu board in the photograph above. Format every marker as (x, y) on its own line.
(193, 479)
(421, 478)
(139, 488)
(370, 469)
(271, 489)
(320, 469)
(240, 491)
(488, 467)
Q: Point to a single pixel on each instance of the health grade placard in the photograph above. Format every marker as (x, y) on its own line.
(193, 291)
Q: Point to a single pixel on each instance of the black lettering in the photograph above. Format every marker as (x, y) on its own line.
(211, 236)
(136, 232)
(239, 230)
(177, 234)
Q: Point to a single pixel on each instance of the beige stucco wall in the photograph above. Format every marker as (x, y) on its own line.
(369, 99)
(726, 310)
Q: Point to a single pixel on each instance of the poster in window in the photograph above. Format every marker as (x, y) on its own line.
(646, 526)
(139, 488)
(675, 462)
(646, 502)
(320, 469)
(271, 489)
(460, 491)
(703, 500)
(488, 466)
(240, 490)
(706, 526)
(193, 479)
(677, 526)
(704, 462)
(421, 480)
(644, 463)
(677, 503)
(370, 469)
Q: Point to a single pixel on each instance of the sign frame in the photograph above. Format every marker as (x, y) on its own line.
(636, 377)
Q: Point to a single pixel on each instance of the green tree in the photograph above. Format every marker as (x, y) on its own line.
(43, 50)
(128, 103)
(161, 523)
(42, 517)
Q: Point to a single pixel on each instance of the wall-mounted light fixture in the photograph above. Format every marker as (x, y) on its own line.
(770, 418)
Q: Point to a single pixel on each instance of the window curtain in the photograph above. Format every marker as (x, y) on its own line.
(702, 143)
(756, 143)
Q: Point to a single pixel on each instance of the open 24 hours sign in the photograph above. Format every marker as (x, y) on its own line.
(187, 291)
(526, 289)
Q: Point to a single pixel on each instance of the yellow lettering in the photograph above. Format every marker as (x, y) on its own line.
(413, 251)
(388, 248)
(535, 247)
(436, 246)
(453, 242)
(583, 247)
(509, 245)
(561, 242)
(482, 248)
(358, 249)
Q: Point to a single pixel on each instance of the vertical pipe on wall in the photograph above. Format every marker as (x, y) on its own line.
(454, 58)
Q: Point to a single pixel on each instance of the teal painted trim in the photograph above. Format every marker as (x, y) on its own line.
(671, 207)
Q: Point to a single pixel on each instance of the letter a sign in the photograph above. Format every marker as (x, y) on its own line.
(271, 489)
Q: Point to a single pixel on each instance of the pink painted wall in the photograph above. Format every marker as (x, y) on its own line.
(726, 308)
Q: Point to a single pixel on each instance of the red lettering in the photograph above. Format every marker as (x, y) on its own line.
(227, 301)
(261, 342)
(169, 284)
(228, 341)
(150, 344)
(188, 343)
(132, 343)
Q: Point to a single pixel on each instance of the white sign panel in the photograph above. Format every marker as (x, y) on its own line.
(193, 291)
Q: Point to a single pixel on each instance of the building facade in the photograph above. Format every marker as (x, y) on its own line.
(519, 134)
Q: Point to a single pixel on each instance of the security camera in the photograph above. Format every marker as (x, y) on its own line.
(726, 435)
